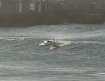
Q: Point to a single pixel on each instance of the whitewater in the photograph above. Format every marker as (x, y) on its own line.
(81, 56)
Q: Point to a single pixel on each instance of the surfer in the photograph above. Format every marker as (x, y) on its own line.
(55, 43)
(53, 40)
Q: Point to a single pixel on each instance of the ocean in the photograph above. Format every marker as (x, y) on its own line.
(82, 58)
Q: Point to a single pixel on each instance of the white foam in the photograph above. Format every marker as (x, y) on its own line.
(58, 43)
(63, 43)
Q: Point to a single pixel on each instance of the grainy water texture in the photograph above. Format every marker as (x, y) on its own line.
(83, 59)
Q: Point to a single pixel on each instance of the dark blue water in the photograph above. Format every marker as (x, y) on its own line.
(22, 59)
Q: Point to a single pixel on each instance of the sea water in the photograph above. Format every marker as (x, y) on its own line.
(83, 59)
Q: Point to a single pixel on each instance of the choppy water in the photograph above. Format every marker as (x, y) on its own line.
(22, 59)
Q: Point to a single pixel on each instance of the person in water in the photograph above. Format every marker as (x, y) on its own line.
(55, 44)
(53, 40)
